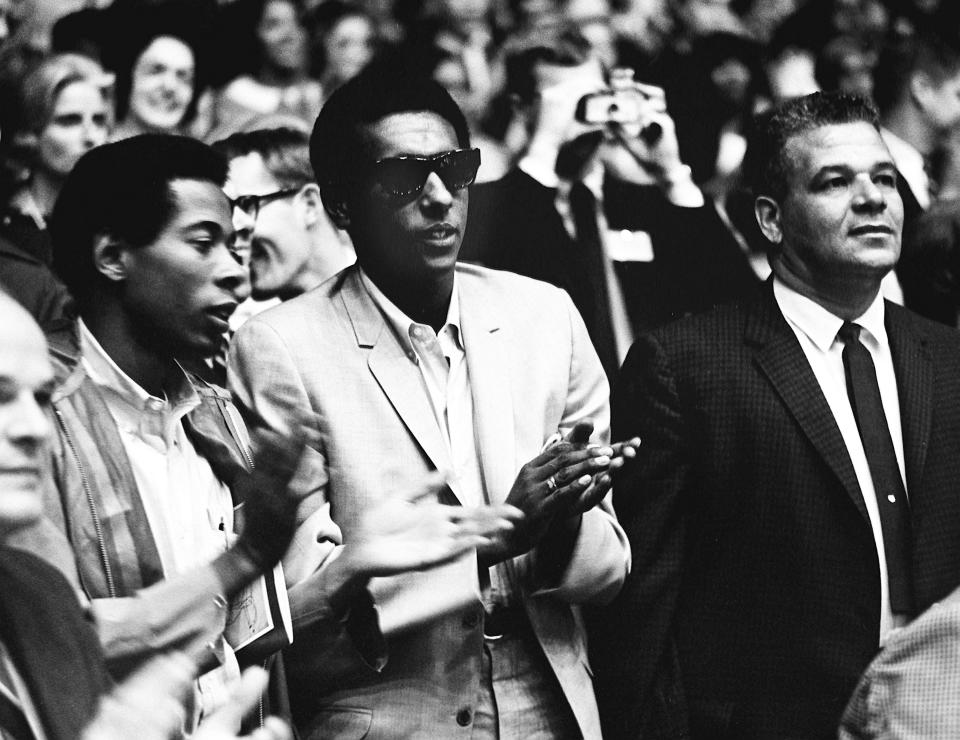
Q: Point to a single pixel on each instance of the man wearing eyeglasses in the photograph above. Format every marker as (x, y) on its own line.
(278, 213)
(413, 363)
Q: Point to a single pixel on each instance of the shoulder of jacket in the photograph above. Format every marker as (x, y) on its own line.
(503, 280)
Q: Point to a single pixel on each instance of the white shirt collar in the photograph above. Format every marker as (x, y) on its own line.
(127, 400)
(402, 324)
(542, 170)
(821, 326)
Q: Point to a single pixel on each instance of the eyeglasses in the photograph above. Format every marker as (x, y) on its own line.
(401, 177)
(251, 204)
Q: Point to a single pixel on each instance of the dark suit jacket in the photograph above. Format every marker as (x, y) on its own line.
(753, 603)
(30, 282)
(53, 646)
(513, 225)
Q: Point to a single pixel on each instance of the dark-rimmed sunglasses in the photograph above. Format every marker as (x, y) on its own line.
(251, 204)
(402, 177)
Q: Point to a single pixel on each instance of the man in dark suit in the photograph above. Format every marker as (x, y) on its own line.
(795, 497)
(915, 88)
(572, 212)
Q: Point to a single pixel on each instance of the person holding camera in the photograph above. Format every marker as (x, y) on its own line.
(600, 203)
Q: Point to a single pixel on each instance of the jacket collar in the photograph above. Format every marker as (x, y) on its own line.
(780, 358)
(81, 410)
(389, 362)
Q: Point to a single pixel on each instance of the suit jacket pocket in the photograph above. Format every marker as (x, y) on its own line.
(343, 723)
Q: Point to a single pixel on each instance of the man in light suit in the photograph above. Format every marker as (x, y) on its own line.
(414, 363)
(795, 498)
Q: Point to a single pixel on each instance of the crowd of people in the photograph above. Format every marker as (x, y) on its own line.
(479, 368)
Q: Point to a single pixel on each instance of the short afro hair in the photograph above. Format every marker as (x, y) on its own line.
(122, 189)
(337, 144)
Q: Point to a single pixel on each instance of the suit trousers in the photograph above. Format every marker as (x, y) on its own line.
(520, 698)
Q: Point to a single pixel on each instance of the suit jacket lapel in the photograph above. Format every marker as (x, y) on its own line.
(780, 357)
(397, 374)
(491, 390)
(914, 371)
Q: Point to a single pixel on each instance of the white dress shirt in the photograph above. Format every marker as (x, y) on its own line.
(184, 501)
(816, 330)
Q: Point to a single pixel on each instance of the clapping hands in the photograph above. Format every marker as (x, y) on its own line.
(413, 531)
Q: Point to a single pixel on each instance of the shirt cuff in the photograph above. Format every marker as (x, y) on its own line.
(540, 164)
(679, 188)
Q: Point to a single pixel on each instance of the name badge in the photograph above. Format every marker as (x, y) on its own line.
(629, 246)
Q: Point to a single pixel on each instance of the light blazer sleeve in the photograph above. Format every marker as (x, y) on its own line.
(600, 560)
(270, 395)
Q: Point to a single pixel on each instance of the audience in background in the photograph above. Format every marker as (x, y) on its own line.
(64, 110)
(292, 244)
(639, 229)
(157, 54)
(630, 256)
(276, 75)
(918, 93)
(344, 39)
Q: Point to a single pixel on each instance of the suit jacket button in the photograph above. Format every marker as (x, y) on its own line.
(464, 717)
(471, 620)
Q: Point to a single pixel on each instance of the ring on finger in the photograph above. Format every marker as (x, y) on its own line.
(552, 483)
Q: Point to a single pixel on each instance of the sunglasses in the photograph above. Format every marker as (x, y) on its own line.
(251, 204)
(402, 177)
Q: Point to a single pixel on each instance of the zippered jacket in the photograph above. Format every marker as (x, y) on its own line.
(95, 502)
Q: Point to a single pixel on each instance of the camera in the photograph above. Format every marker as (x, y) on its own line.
(623, 102)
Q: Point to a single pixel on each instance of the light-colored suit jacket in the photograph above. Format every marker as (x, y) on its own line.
(532, 372)
(911, 690)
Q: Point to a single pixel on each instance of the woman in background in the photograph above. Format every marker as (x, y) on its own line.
(278, 80)
(344, 39)
(65, 110)
(157, 89)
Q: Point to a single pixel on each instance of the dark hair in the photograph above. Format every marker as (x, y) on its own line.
(833, 60)
(337, 144)
(323, 19)
(119, 34)
(285, 153)
(562, 45)
(124, 72)
(926, 52)
(122, 189)
(766, 164)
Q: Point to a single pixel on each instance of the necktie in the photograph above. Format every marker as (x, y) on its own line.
(583, 207)
(891, 497)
